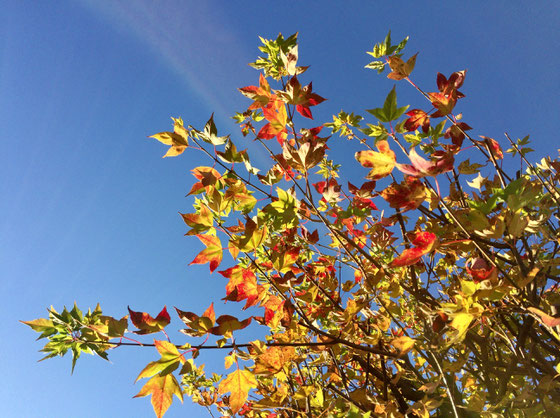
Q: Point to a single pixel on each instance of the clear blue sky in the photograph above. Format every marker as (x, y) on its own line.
(89, 209)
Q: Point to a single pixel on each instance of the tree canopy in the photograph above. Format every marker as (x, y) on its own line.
(414, 282)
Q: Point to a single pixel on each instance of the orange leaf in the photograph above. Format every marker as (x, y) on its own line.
(162, 389)
(238, 383)
(273, 360)
(261, 95)
(242, 285)
(423, 243)
(211, 254)
(146, 324)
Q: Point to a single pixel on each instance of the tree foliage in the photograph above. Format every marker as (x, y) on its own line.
(430, 286)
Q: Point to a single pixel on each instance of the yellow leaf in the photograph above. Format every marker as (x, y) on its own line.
(461, 323)
(381, 163)
(404, 344)
(162, 389)
(238, 383)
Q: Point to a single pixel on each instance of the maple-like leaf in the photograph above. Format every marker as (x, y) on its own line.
(261, 94)
(275, 114)
(242, 285)
(238, 384)
(381, 163)
(423, 244)
(201, 221)
(457, 133)
(226, 324)
(494, 147)
(178, 139)
(273, 360)
(170, 360)
(146, 323)
(162, 389)
(198, 325)
(302, 97)
(444, 103)
(208, 177)
(441, 162)
(400, 69)
(406, 196)
(454, 82)
(211, 254)
(417, 117)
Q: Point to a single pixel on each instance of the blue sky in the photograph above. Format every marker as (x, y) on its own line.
(89, 209)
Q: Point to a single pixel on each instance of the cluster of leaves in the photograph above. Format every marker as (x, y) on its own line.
(443, 302)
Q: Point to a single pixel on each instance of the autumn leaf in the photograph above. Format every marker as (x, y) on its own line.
(416, 119)
(275, 114)
(162, 389)
(208, 177)
(227, 324)
(178, 139)
(238, 383)
(260, 95)
(423, 244)
(381, 163)
(301, 97)
(460, 323)
(273, 360)
(494, 147)
(201, 221)
(146, 324)
(400, 69)
(479, 269)
(403, 344)
(242, 285)
(211, 254)
(457, 133)
(441, 162)
(454, 82)
(170, 360)
(406, 196)
(198, 325)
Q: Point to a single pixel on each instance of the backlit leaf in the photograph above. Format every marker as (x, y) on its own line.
(162, 389)
(238, 384)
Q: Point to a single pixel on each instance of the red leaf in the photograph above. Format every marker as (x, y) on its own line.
(456, 134)
(406, 196)
(423, 243)
(480, 270)
(417, 118)
(494, 147)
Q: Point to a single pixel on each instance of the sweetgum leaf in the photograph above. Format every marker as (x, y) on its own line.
(238, 384)
(162, 389)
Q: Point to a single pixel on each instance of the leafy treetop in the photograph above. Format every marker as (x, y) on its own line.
(428, 287)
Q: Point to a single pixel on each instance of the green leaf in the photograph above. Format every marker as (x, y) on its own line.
(376, 65)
